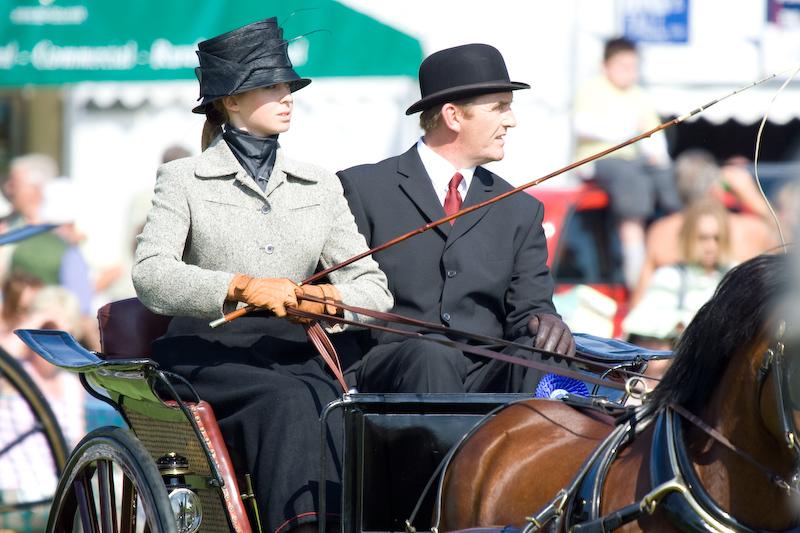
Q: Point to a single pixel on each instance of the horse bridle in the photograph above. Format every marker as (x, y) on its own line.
(775, 358)
(673, 471)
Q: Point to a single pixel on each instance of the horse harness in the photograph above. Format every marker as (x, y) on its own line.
(677, 488)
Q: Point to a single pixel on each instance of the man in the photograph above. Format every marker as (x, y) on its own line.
(23, 189)
(484, 274)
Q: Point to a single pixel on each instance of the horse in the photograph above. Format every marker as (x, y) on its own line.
(712, 448)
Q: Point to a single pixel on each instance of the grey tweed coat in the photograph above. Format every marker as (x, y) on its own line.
(263, 378)
(210, 221)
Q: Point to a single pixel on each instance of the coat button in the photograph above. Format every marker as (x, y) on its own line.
(446, 316)
(451, 273)
(269, 248)
(265, 208)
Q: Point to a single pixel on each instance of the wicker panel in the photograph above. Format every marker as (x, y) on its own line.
(160, 438)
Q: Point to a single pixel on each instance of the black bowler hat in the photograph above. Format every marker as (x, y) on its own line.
(468, 70)
(246, 58)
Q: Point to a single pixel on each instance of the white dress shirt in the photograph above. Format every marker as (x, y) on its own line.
(441, 172)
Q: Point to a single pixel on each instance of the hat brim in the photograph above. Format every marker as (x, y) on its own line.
(294, 86)
(464, 91)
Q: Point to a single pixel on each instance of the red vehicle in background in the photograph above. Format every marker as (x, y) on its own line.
(583, 251)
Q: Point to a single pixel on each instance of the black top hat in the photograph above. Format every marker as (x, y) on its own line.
(246, 58)
(468, 70)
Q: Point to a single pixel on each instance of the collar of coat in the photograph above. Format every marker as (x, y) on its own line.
(218, 161)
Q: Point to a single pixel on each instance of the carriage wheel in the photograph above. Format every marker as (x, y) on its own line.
(110, 484)
(32, 450)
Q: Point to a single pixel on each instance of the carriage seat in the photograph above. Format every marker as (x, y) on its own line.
(127, 328)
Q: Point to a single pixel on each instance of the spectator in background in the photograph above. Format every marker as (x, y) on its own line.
(174, 152)
(55, 258)
(18, 290)
(55, 307)
(28, 174)
(27, 472)
(698, 177)
(23, 190)
(676, 291)
(610, 109)
(787, 208)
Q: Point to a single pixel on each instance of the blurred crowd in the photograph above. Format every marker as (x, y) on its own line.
(682, 223)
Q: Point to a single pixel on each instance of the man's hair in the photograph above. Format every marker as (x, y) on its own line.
(695, 171)
(430, 118)
(615, 46)
(38, 168)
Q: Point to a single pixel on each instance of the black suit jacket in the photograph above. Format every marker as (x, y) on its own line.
(486, 274)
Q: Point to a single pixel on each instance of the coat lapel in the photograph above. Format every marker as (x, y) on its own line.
(218, 161)
(416, 184)
(481, 189)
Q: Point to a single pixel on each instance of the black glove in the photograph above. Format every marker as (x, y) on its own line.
(552, 334)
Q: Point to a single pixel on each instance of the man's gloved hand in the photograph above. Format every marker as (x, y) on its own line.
(552, 334)
(323, 291)
(276, 294)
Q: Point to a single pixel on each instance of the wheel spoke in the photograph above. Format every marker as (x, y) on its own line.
(85, 499)
(128, 511)
(105, 485)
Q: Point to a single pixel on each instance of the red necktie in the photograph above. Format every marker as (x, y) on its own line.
(453, 201)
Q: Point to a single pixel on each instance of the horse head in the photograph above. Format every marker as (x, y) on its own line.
(736, 369)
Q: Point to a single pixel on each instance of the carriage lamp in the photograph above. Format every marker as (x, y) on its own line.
(186, 506)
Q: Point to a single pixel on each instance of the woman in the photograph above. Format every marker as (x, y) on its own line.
(240, 224)
(676, 292)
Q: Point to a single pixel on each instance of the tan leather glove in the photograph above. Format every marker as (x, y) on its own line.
(326, 292)
(276, 294)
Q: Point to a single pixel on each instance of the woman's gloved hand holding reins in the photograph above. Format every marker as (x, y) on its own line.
(276, 294)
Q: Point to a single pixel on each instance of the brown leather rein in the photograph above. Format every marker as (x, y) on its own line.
(320, 339)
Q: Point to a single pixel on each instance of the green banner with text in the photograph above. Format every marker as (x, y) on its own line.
(49, 42)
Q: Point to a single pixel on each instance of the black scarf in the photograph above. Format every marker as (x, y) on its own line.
(256, 154)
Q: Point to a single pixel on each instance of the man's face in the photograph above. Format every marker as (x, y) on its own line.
(483, 126)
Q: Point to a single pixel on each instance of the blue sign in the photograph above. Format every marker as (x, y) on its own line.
(784, 12)
(655, 20)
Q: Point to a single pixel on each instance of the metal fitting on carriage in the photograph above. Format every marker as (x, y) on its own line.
(186, 506)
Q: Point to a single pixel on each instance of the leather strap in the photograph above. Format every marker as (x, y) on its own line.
(325, 348)
(722, 439)
(464, 347)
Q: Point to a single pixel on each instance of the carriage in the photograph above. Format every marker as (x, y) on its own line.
(171, 471)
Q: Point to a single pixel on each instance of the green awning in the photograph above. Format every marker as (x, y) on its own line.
(61, 41)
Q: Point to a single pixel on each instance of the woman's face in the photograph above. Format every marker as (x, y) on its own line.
(263, 112)
(708, 241)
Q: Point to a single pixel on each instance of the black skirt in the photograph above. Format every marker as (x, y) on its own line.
(267, 392)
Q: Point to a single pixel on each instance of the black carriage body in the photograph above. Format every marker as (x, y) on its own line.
(394, 445)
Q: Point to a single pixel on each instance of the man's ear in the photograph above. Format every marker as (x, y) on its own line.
(451, 117)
